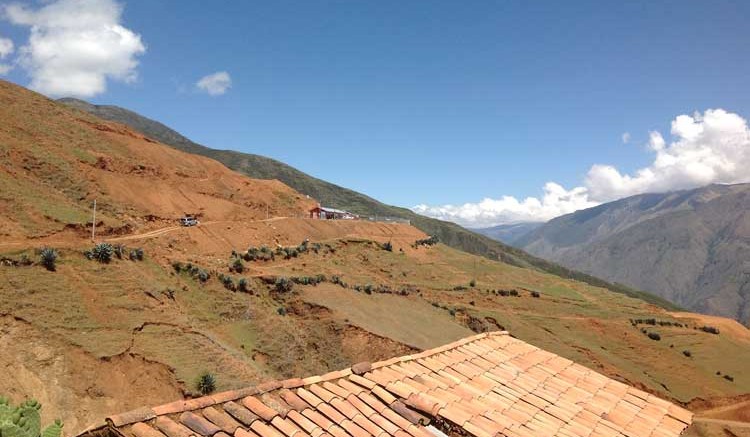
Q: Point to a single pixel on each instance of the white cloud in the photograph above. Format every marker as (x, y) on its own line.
(713, 147)
(626, 137)
(215, 84)
(6, 49)
(556, 201)
(75, 46)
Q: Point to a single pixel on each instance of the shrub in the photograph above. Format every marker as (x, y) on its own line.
(102, 252)
(206, 383)
(729, 378)
(119, 250)
(48, 258)
(473, 283)
(284, 285)
(242, 284)
(177, 266)
(202, 275)
(228, 283)
(687, 353)
(514, 293)
(281, 311)
(25, 421)
(654, 336)
(710, 329)
(452, 312)
(136, 254)
(426, 242)
(237, 266)
(368, 289)
(535, 294)
(388, 246)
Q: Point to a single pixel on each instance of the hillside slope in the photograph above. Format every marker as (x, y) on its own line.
(55, 162)
(691, 247)
(333, 195)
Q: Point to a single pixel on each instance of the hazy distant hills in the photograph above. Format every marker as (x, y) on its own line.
(691, 247)
(508, 234)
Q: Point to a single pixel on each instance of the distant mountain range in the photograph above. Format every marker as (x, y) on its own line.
(508, 234)
(261, 167)
(690, 247)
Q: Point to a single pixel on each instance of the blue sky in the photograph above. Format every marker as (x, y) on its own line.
(433, 103)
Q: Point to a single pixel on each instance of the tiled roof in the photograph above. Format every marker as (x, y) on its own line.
(487, 385)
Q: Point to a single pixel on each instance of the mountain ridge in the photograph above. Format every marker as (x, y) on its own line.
(687, 246)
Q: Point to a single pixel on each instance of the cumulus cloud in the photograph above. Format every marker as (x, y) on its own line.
(712, 147)
(6, 49)
(626, 138)
(76, 46)
(555, 201)
(215, 84)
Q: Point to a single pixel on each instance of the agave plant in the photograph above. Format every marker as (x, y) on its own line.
(206, 383)
(103, 252)
(49, 258)
(24, 420)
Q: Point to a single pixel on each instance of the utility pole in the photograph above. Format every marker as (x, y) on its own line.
(93, 223)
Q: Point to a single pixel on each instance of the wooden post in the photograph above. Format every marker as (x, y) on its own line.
(93, 223)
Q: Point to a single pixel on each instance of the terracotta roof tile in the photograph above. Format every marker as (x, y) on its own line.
(264, 430)
(171, 428)
(287, 427)
(140, 429)
(353, 429)
(198, 424)
(293, 400)
(244, 433)
(490, 385)
(240, 413)
(259, 408)
(221, 419)
(303, 422)
(317, 418)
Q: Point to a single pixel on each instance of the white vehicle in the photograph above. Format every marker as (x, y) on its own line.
(189, 221)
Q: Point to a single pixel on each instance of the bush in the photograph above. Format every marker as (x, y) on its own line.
(687, 353)
(473, 283)
(48, 258)
(237, 266)
(102, 252)
(25, 421)
(514, 293)
(426, 242)
(654, 336)
(202, 275)
(136, 254)
(535, 294)
(284, 285)
(388, 246)
(368, 289)
(228, 283)
(242, 285)
(206, 383)
(177, 266)
(119, 250)
(729, 378)
(281, 311)
(710, 329)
